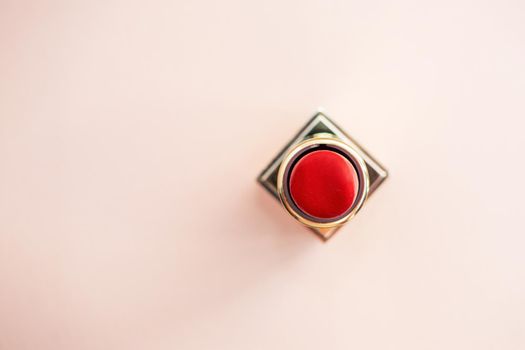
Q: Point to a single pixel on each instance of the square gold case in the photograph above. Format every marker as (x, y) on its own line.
(321, 124)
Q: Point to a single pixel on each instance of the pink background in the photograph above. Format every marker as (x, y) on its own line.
(131, 133)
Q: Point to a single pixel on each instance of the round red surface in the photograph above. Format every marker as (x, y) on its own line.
(323, 184)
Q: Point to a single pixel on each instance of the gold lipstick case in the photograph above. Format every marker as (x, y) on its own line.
(321, 130)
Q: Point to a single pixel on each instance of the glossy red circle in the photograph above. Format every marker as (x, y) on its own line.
(323, 184)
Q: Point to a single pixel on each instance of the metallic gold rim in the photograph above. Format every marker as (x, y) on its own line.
(361, 169)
